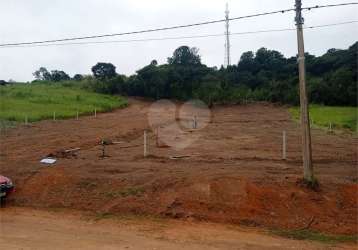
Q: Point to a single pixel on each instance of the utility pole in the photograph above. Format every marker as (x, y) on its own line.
(305, 124)
(227, 37)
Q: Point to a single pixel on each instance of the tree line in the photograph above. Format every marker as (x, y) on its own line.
(266, 75)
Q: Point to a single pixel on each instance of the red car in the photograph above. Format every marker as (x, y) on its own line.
(6, 187)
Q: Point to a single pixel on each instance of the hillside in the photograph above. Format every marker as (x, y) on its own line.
(37, 101)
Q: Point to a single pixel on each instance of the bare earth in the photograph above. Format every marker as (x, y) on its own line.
(233, 173)
(36, 229)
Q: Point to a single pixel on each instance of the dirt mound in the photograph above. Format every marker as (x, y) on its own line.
(231, 200)
(232, 173)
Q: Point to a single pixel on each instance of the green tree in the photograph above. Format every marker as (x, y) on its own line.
(247, 62)
(209, 90)
(42, 74)
(104, 71)
(59, 75)
(154, 62)
(185, 56)
(78, 77)
(262, 76)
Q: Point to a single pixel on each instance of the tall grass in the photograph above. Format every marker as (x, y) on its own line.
(39, 101)
(323, 116)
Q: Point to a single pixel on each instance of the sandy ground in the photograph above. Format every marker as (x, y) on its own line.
(233, 172)
(24, 228)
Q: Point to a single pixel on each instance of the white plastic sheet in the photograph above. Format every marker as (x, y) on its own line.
(48, 160)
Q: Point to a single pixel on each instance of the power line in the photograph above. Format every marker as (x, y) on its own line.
(181, 37)
(329, 25)
(174, 27)
(145, 31)
(328, 6)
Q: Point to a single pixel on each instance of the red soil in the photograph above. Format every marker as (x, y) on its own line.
(234, 173)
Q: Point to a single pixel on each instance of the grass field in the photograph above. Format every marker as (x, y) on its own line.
(322, 116)
(40, 101)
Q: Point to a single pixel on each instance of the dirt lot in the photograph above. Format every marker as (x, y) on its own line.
(233, 172)
(21, 229)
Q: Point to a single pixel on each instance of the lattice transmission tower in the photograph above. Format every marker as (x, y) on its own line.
(227, 38)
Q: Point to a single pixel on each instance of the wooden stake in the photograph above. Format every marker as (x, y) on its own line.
(77, 114)
(54, 115)
(72, 150)
(145, 153)
(95, 112)
(103, 150)
(157, 137)
(284, 145)
(194, 122)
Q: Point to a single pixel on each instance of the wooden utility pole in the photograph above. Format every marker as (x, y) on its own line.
(305, 121)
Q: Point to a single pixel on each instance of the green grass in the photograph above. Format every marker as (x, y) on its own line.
(315, 236)
(322, 116)
(40, 101)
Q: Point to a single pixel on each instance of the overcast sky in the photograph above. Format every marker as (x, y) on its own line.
(24, 20)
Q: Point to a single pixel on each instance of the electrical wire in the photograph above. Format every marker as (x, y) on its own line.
(173, 27)
(181, 37)
(328, 6)
(144, 31)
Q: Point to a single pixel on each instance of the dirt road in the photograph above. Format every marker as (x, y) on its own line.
(233, 173)
(34, 229)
